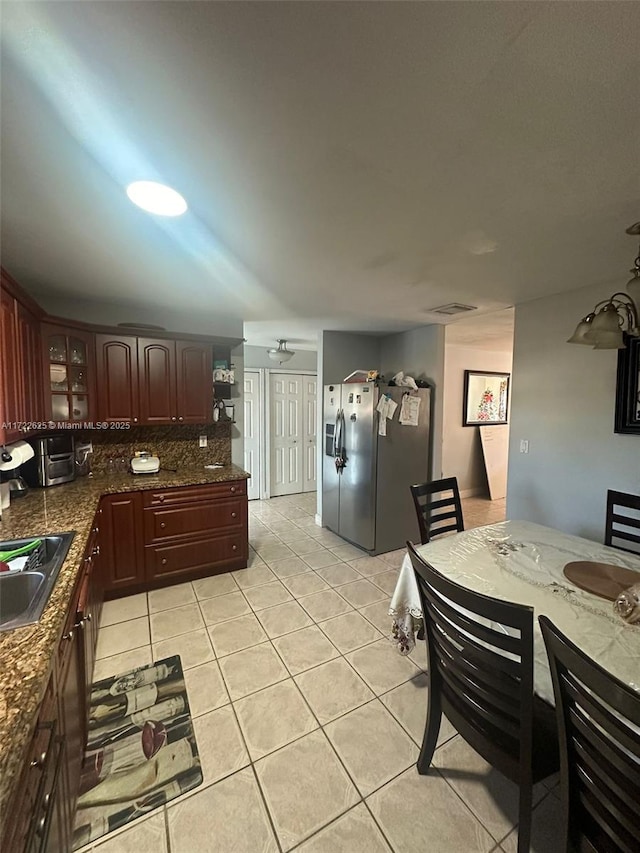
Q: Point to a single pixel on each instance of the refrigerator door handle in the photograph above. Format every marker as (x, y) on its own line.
(336, 435)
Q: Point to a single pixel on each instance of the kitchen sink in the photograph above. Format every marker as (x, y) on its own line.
(24, 594)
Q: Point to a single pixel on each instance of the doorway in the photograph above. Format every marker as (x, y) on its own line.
(280, 411)
(292, 433)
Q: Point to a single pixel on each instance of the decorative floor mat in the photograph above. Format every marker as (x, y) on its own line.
(141, 749)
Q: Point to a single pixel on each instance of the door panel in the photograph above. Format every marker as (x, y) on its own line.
(194, 382)
(286, 434)
(117, 372)
(157, 365)
(309, 421)
(358, 478)
(330, 477)
(252, 437)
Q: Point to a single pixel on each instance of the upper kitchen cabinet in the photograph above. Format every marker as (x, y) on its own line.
(69, 373)
(154, 381)
(20, 364)
(194, 369)
(157, 381)
(175, 381)
(117, 371)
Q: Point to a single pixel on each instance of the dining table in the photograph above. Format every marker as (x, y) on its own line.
(523, 562)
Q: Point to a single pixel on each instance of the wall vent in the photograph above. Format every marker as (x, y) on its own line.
(452, 308)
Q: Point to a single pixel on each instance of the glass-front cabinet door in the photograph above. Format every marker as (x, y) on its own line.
(69, 373)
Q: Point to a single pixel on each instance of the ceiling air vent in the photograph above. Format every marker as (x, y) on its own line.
(452, 308)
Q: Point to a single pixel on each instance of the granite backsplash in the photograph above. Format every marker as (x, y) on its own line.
(176, 446)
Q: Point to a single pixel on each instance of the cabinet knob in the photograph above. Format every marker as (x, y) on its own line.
(232, 489)
(173, 418)
(87, 618)
(135, 420)
(234, 547)
(68, 636)
(162, 525)
(164, 561)
(180, 418)
(41, 825)
(46, 800)
(234, 515)
(96, 551)
(96, 529)
(161, 498)
(39, 761)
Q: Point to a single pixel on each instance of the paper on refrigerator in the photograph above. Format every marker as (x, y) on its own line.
(410, 410)
(386, 409)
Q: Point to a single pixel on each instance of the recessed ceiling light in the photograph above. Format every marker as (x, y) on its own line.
(156, 198)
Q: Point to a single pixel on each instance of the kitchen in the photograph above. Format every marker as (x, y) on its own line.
(338, 188)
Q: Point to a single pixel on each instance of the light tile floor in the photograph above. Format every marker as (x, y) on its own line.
(308, 721)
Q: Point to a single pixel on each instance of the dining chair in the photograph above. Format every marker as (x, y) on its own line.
(598, 724)
(438, 507)
(480, 674)
(620, 525)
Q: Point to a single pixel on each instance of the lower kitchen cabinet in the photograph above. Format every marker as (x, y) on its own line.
(71, 694)
(121, 546)
(166, 536)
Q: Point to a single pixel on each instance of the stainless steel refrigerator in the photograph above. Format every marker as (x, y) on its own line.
(366, 476)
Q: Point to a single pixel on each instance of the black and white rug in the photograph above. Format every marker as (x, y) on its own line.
(141, 750)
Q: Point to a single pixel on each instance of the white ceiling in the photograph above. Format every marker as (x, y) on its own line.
(347, 165)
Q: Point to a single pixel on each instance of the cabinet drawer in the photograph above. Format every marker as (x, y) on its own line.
(203, 518)
(169, 560)
(189, 494)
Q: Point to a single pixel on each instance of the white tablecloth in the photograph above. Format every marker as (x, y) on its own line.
(522, 562)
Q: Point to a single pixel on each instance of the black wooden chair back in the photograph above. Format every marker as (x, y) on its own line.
(599, 725)
(622, 529)
(481, 676)
(438, 508)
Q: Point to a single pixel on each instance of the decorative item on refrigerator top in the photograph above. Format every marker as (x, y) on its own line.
(144, 463)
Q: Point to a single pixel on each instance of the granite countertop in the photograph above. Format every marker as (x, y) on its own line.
(26, 654)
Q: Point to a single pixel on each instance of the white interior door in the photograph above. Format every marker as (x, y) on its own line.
(252, 432)
(309, 401)
(286, 407)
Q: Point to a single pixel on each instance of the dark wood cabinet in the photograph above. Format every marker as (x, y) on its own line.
(154, 381)
(89, 610)
(10, 367)
(162, 536)
(121, 543)
(117, 378)
(20, 369)
(194, 366)
(70, 689)
(175, 381)
(68, 357)
(31, 365)
(157, 380)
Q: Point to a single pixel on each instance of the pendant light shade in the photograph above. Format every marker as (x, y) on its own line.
(605, 326)
(281, 354)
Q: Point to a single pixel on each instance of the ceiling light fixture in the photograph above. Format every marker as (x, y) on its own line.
(156, 198)
(281, 354)
(603, 328)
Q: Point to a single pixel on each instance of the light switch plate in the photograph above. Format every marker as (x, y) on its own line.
(202, 441)
(524, 445)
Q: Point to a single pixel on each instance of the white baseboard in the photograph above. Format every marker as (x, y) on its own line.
(318, 520)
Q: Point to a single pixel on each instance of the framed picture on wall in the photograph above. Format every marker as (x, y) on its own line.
(628, 388)
(486, 398)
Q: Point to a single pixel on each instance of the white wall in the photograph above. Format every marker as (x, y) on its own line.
(461, 448)
(420, 353)
(237, 398)
(302, 360)
(563, 402)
